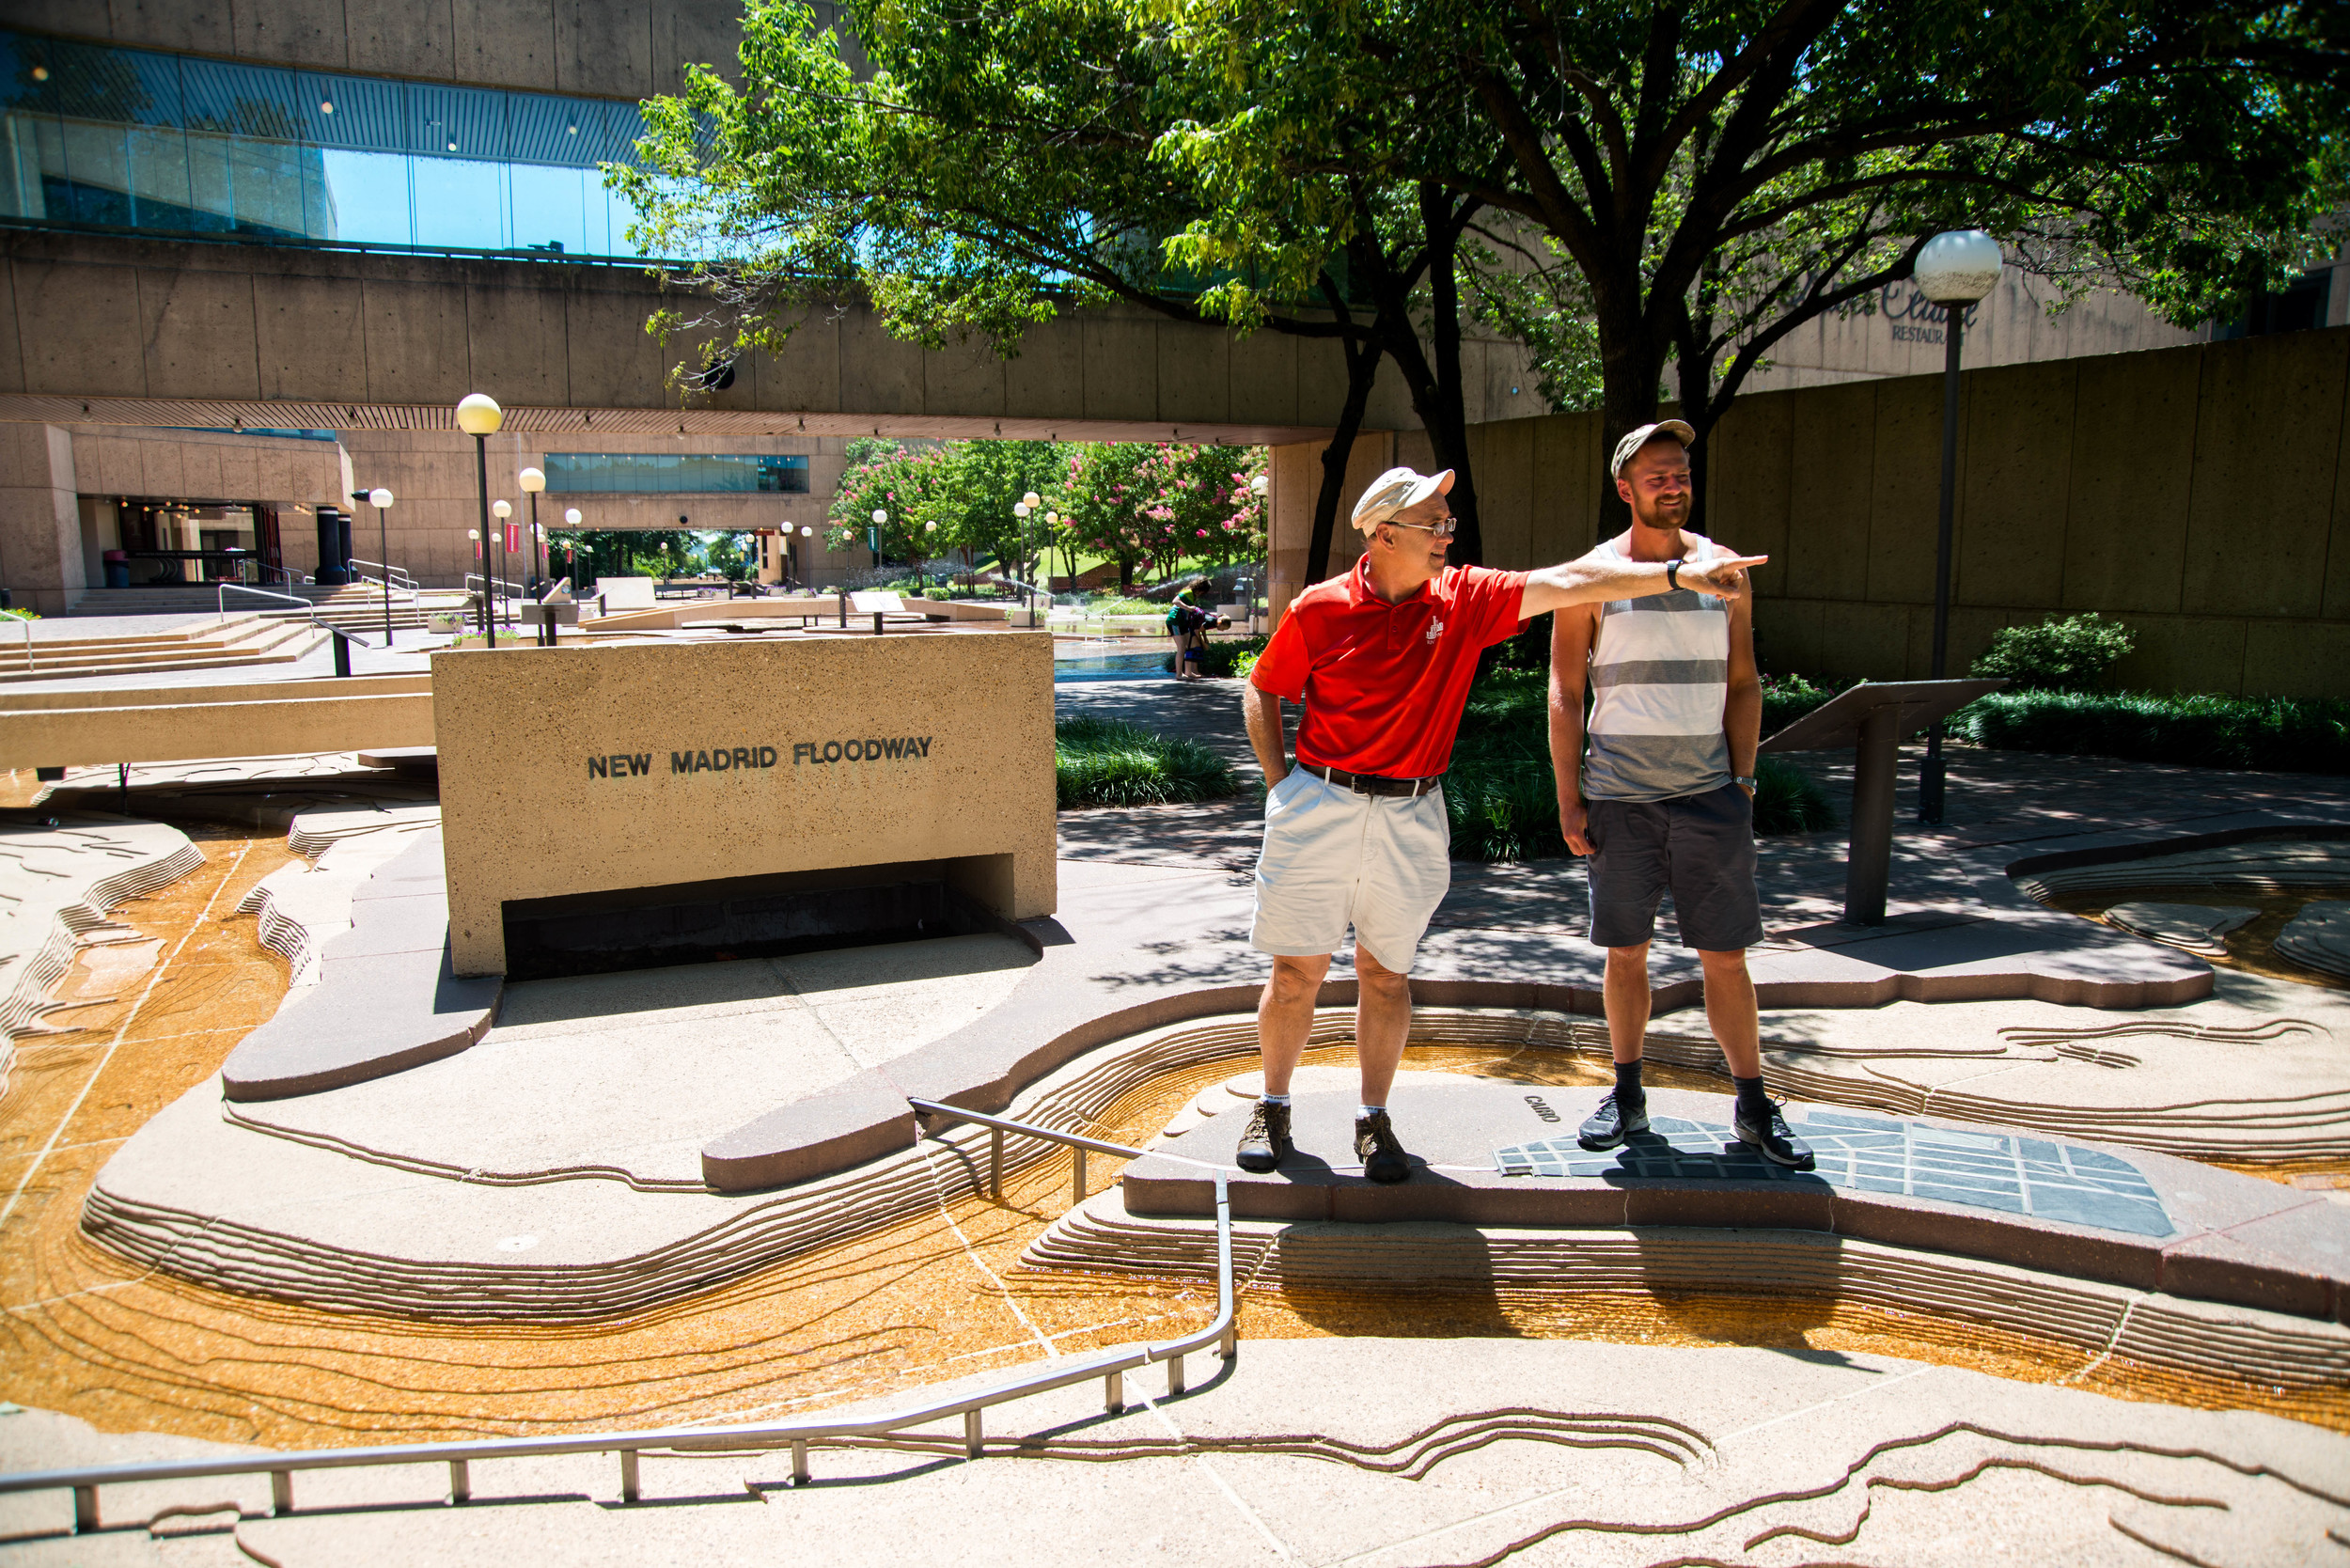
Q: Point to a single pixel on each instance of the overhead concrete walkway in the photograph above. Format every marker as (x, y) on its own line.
(246, 335)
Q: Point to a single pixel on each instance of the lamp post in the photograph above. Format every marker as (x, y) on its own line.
(532, 481)
(479, 416)
(1953, 270)
(502, 508)
(381, 499)
(570, 520)
(805, 551)
(872, 540)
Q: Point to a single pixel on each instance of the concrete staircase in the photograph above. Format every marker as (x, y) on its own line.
(352, 607)
(249, 639)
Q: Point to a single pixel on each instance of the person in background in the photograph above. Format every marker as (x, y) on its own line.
(1355, 834)
(1187, 624)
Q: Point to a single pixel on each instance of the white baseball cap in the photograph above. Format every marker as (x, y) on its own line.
(1398, 490)
(1634, 440)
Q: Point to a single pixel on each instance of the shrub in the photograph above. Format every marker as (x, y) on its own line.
(2271, 734)
(1788, 698)
(1789, 800)
(1099, 761)
(2069, 655)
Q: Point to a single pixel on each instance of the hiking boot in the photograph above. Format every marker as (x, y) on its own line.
(1266, 1143)
(1375, 1145)
(1771, 1138)
(1613, 1123)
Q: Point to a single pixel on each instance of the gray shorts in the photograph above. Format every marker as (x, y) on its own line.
(1699, 847)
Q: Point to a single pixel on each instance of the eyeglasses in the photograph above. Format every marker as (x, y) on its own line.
(1445, 530)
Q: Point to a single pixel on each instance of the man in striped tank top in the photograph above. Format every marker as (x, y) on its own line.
(1657, 788)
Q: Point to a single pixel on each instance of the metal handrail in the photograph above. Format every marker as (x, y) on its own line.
(294, 578)
(1110, 1365)
(396, 576)
(227, 589)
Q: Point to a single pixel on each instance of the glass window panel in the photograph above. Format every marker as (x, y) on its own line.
(459, 202)
(467, 122)
(368, 115)
(246, 100)
(210, 207)
(159, 176)
(678, 474)
(179, 144)
(20, 178)
(266, 180)
(96, 179)
(371, 197)
(551, 207)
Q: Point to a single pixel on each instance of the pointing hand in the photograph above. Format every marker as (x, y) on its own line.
(1725, 576)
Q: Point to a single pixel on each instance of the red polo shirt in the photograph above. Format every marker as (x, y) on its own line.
(1383, 684)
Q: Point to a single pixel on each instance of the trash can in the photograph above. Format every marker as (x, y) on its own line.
(117, 565)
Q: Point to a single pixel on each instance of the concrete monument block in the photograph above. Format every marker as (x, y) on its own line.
(589, 776)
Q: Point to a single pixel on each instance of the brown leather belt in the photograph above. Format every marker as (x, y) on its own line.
(1371, 784)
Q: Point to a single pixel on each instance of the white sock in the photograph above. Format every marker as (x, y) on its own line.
(1363, 1111)
(1274, 1099)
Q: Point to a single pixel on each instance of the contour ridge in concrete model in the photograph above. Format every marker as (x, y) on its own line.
(64, 880)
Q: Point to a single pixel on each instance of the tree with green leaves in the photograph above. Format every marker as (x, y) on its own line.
(1002, 163)
(1699, 178)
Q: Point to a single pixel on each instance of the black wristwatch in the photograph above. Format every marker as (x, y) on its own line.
(1673, 577)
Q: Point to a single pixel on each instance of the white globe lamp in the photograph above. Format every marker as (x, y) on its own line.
(1958, 267)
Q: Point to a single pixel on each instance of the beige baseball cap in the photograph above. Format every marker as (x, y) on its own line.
(1395, 491)
(1634, 440)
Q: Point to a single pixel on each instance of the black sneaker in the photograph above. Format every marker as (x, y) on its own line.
(1266, 1143)
(1771, 1137)
(1611, 1123)
(1375, 1145)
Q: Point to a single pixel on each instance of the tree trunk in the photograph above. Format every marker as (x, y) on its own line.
(1362, 370)
(1631, 372)
(1450, 434)
(1436, 388)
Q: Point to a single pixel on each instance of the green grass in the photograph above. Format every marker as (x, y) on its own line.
(1099, 761)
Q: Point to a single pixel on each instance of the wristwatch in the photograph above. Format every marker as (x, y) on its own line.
(1673, 577)
(1746, 782)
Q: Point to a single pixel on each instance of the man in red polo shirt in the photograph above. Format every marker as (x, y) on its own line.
(1355, 833)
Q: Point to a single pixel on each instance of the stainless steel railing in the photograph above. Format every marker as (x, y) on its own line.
(394, 575)
(1110, 1365)
(308, 608)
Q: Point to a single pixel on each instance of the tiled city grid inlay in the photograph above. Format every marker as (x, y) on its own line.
(1869, 1154)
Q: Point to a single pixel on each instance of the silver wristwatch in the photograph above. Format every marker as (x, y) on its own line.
(1746, 782)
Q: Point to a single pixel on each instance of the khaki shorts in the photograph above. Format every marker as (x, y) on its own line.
(1334, 858)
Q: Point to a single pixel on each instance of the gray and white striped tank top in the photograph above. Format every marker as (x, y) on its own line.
(1660, 674)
